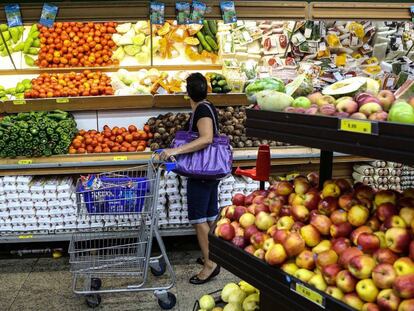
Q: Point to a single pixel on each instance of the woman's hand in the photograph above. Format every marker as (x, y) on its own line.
(166, 154)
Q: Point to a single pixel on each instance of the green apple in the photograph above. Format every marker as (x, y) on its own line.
(401, 112)
(301, 102)
(367, 290)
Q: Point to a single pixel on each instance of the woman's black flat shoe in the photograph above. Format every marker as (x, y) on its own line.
(197, 281)
(200, 261)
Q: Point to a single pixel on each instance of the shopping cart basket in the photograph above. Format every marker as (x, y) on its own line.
(124, 204)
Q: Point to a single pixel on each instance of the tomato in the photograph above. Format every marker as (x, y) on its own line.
(136, 135)
(134, 144)
(129, 138)
(106, 150)
(132, 128)
(98, 149)
(140, 148)
(81, 150)
(115, 149)
(123, 149)
(131, 149)
(119, 139)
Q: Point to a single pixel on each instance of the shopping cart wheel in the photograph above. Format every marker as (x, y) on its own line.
(93, 300)
(96, 283)
(168, 302)
(159, 269)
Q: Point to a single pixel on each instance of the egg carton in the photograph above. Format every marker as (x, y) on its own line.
(38, 196)
(3, 206)
(40, 205)
(28, 210)
(172, 191)
(14, 206)
(22, 188)
(174, 221)
(9, 179)
(225, 196)
(184, 200)
(3, 198)
(12, 197)
(224, 203)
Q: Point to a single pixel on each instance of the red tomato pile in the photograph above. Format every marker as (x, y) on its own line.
(71, 44)
(111, 140)
(87, 83)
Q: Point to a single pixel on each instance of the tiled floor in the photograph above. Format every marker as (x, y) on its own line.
(43, 284)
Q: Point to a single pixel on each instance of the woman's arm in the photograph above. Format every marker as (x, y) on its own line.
(206, 134)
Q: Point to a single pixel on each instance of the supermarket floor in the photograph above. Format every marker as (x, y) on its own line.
(43, 284)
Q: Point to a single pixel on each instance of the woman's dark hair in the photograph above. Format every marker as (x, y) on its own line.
(197, 86)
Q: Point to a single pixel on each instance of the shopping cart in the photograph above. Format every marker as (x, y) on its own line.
(124, 203)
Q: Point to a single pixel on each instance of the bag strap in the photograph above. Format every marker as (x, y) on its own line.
(205, 103)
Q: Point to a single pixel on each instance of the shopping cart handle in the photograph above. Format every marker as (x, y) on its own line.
(169, 166)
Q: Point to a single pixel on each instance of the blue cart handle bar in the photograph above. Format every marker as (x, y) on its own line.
(169, 166)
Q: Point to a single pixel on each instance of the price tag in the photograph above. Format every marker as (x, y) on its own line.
(322, 46)
(19, 102)
(356, 126)
(62, 100)
(309, 294)
(25, 162)
(29, 236)
(120, 158)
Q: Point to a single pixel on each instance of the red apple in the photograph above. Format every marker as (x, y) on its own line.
(322, 223)
(341, 230)
(355, 234)
(311, 200)
(259, 253)
(238, 212)
(339, 216)
(406, 305)
(327, 205)
(340, 244)
(238, 199)
(347, 255)
(259, 199)
(361, 266)
(226, 232)
(330, 272)
(343, 184)
(404, 286)
(275, 255)
(300, 212)
(325, 258)
(276, 205)
(373, 223)
(385, 255)
(386, 210)
(230, 212)
(294, 244)
(297, 226)
(250, 231)
(345, 281)
(250, 249)
(283, 188)
(370, 306)
(247, 219)
(305, 260)
(313, 178)
(248, 200)
(395, 222)
(301, 185)
(385, 196)
(346, 201)
(368, 242)
(384, 275)
(358, 215)
(280, 235)
(264, 221)
(258, 239)
(364, 192)
(239, 241)
(388, 300)
(353, 300)
(386, 98)
(311, 235)
(398, 239)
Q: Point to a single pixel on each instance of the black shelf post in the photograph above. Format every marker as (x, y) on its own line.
(325, 167)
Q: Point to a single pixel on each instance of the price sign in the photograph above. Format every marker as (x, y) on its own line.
(309, 294)
(120, 158)
(24, 162)
(29, 236)
(357, 126)
(19, 102)
(62, 100)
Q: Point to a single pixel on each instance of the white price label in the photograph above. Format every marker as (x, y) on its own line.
(322, 46)
(308, 33)
(338, 76)
(366, 46)
(390, 82)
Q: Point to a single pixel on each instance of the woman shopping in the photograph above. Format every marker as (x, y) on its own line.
(201, 190)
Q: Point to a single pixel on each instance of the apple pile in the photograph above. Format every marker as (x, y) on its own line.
(353, 243)
(380, 107)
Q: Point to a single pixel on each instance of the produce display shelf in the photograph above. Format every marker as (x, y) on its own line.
(38, 70)
(179, 100)
(388, 141)
(94, 163)
(116, 102)
(278, 290)
(66, 236)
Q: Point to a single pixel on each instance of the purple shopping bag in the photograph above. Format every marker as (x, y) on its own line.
(212, 162)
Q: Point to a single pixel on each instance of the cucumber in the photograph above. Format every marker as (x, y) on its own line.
(211, 42)
(220, 77)
(226, 89)
(207, 30)
(217, 89)
(222, 82)
(203, 41)
(213, 26)
(213, 82)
